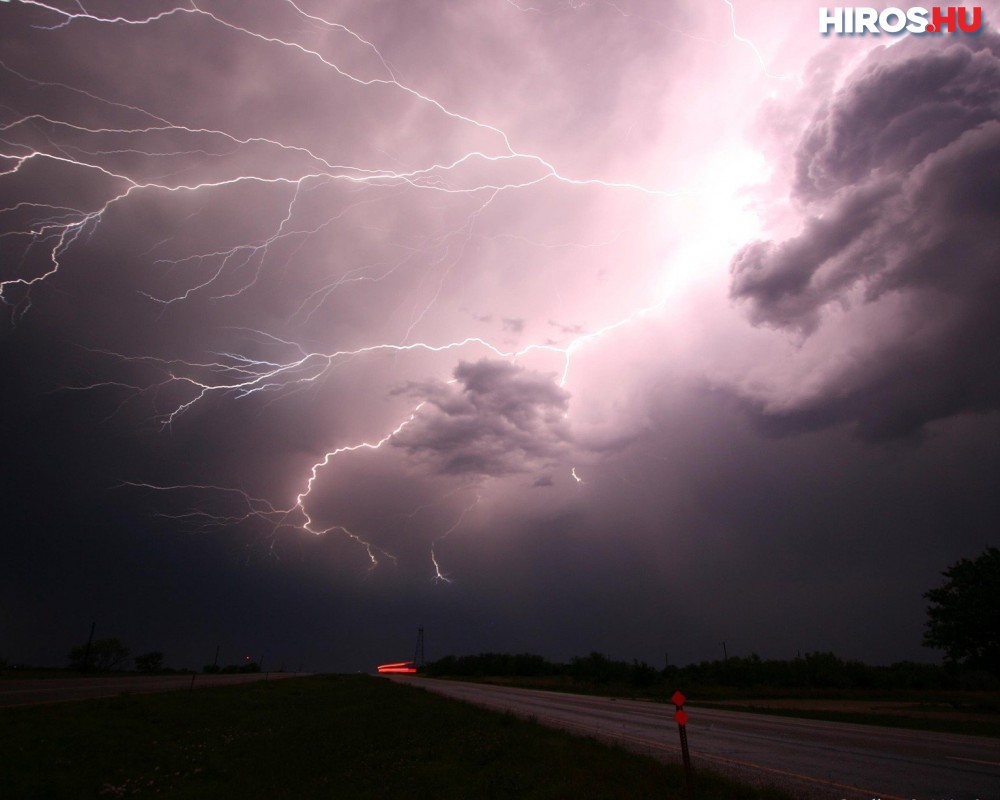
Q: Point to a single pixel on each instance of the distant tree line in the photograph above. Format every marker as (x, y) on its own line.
(107, 655)
(824, 671)
(215, 669)
(101, 655)
(499, 665)
(963, 620)
(111, 654)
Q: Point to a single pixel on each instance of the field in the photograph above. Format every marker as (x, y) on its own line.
(325, 736)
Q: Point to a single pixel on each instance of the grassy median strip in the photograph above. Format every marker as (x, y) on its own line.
(987, 728)
(326, 736)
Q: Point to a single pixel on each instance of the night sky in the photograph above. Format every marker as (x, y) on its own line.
(550, 325)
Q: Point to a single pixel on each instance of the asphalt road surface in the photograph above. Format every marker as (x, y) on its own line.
(809, 758)
(31, 692)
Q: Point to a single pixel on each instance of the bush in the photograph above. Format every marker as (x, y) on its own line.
(149, 662)
(102, 655)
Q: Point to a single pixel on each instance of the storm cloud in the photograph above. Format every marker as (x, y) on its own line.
(898, 177)
(553, 326)
(494, 419)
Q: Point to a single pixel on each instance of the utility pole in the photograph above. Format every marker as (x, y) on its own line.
(418, 652)
(86, 654)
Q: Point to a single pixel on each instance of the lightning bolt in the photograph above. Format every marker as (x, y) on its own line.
(753, 48)
(134, 159)
(63, 232)
(440, 576)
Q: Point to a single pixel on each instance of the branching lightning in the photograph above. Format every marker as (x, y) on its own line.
(439, 576)
(133, 160)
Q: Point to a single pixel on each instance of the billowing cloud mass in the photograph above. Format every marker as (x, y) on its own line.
(898, 178)
(494, 419)
(556, 326)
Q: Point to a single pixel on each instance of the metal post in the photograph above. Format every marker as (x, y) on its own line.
(681, 716)
(86, 654)
(418, 651)
(686, 756)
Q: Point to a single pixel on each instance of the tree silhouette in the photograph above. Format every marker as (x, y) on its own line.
(149, 662)
(964, 616)
(105, 654)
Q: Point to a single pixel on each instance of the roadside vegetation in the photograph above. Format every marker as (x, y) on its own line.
(948, 698)
(325, 736)
(960, 696)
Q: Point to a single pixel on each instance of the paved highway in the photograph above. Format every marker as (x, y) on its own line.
(29, 692)
(811, 759)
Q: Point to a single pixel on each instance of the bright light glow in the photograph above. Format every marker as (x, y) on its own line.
(476, 179)
(717, 219)
(399, 668)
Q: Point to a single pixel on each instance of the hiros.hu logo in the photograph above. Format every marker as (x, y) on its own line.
(950, 19)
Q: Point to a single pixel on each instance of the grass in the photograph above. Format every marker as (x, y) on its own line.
(324, 736)
(968, 727)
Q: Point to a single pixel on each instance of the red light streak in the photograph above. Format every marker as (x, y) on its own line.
(399, 668)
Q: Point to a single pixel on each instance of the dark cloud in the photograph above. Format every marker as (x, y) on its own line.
(789, 283)
(495, 418)
(894, 114)
(901, 179)
(303, 266)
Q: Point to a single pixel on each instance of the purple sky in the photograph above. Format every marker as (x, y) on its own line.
(555, 326)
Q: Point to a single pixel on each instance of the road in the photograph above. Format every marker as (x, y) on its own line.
(810, 758)
(31, 692)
